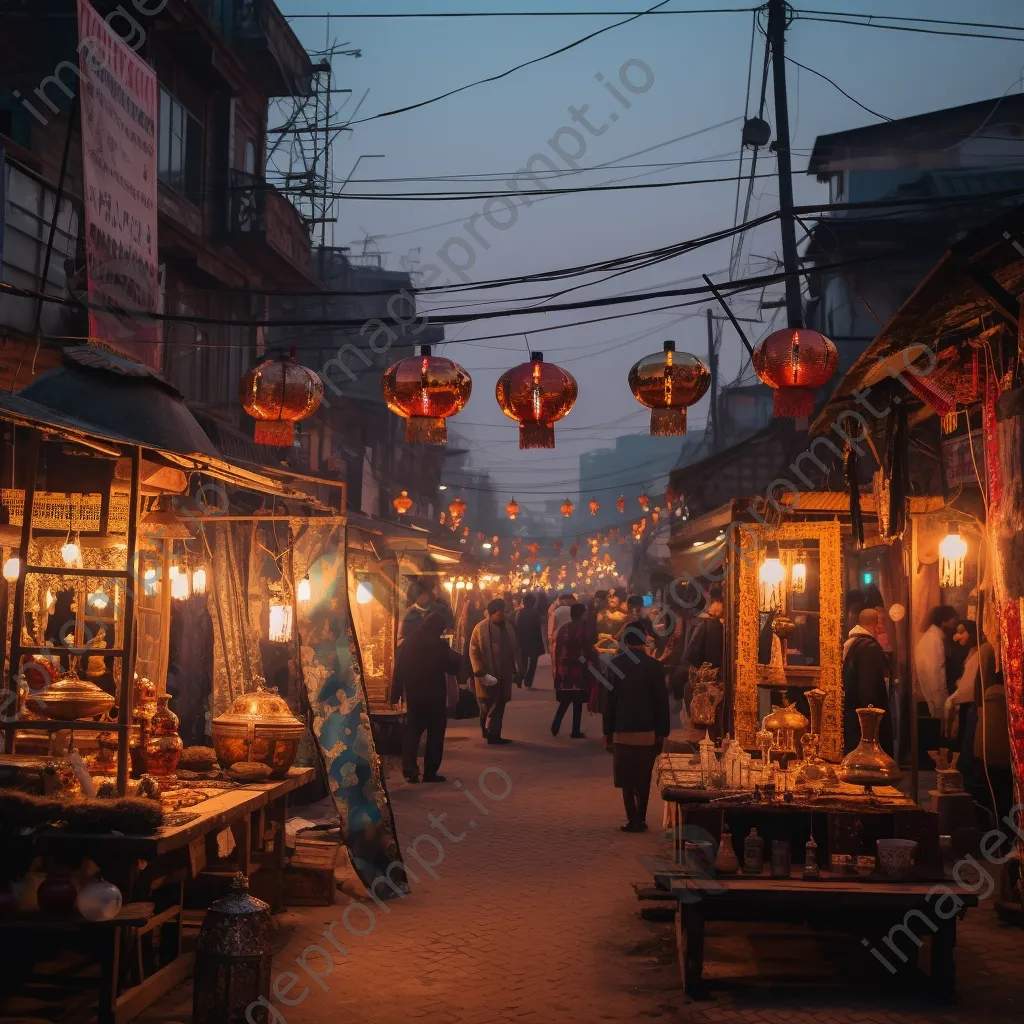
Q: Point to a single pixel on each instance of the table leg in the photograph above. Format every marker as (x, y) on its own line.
(690, 946)
(944, 961)
(109, 969)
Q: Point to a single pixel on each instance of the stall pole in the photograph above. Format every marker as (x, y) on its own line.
(124, 703)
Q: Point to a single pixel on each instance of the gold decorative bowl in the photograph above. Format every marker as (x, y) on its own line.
(258, 727)
(70, 699)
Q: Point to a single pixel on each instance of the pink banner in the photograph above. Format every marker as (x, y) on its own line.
(119, 98)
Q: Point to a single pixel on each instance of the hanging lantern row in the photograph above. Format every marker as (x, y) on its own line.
(536, 394)
(426, 390)
(668, 383)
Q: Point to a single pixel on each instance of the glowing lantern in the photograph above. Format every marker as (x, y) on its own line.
(771, 574)
(71, 551)
(364, 592)
(798, 575)
(620, 504)
(794, 362)
(952, 554)
(512, 508)
(281, 623)
(426, 390)
(199, 581)
(567, 508)
(403, 503)
(595, 505)
(179, 583)
(456, 509)
(304, 590)
(12, 568)
(533, 547)
(537, 395)
(668, 382)
(645, 502)
(278, 394)
(655, 515)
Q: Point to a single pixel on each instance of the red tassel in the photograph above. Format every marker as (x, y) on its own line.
(276, 433)
(426, 430)
(793, 403)
(536, 435)
(668, 422)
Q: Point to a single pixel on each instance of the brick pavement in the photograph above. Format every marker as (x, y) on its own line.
(531, 917)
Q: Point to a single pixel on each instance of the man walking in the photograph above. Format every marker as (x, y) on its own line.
(636, 722)
(497, 664)
(865, 680)
(530, 637)
(558, 616)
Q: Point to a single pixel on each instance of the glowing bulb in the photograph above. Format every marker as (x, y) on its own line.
(798, 578)
(953, 546)
(364, 593)
(179, 584)
(98, 600)
(199, 582)
(460, 585)
(772, 573)
(448, 585)
(469, 584)
(70, 552)
(304, 591)
(280, 630)
(12, 568)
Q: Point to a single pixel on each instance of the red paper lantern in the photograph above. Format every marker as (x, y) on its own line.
(794, 362)
(402, 503)
(457, 508)
(277, 394)
(620, 504)
(426, 390)
(668, 382)
(536, 394)
(595, 506)
(512, 508)
(567, 508)
(645, 502)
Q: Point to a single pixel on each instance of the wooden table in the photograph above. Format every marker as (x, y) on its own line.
(177, 854)
(876, 910)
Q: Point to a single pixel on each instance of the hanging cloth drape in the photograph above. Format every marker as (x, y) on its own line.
(851, 467)
(332, 673)
(236, 647)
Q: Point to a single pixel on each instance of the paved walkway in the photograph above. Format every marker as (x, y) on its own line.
(527, 915)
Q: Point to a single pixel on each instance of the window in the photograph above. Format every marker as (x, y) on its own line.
(180, 148)
(250, 158)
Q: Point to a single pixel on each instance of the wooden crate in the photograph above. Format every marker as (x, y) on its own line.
(309, 877)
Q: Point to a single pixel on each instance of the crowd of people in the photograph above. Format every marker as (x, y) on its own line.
(497, 644)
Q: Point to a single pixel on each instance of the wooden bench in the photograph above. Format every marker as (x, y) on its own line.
(868, 908)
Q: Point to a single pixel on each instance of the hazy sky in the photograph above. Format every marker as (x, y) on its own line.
(699, 68)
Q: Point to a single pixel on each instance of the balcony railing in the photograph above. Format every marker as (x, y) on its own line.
(262, 221)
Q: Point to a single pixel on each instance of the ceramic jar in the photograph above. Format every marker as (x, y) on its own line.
(753, 853)
(726, 863)
(99, 901)
(57, 894)
(164, 746)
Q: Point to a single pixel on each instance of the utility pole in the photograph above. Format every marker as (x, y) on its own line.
(778, 17)
(713, 365)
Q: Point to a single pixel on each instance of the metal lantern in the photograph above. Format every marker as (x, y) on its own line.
(794, 362)
(620, 504)
(426, 390)
(402, 503)
(233, 960)
(457, 509)
(668, 382)
(567, 508)
(595, 506)
(536, 394)
(512, 509)
(277, 394)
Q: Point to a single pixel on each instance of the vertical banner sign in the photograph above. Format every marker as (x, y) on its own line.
(119, 95)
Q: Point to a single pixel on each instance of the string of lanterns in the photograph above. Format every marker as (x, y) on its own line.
(426, 390)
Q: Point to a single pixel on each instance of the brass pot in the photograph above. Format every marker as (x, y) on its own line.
(787, 725)
(260, 727)
(70, 699)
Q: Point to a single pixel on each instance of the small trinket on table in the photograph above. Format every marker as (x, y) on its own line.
(811, 870)
(753, 853)
(726, 863)
(781, 866)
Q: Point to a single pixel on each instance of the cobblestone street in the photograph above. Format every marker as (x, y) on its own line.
(532, 918)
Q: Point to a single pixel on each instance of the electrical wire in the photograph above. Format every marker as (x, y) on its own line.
(910, 28)
(515, 14)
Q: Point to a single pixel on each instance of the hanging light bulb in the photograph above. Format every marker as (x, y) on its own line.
(771, 575)
(71, 551)
(304, 591)
(281, 623)
(98, 600)
(12, 568)
(179, 583)
(199, 582)
(952, 554)
(364, 592)
(798, 575)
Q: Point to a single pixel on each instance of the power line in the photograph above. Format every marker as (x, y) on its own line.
(514, 14)
(910, 28)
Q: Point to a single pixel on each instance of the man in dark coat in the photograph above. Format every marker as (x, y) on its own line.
(865, 680)
(422, 664)
(530, 635)
(636, 722)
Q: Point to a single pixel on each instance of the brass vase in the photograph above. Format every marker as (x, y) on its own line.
(164, 745)
(868, 764)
